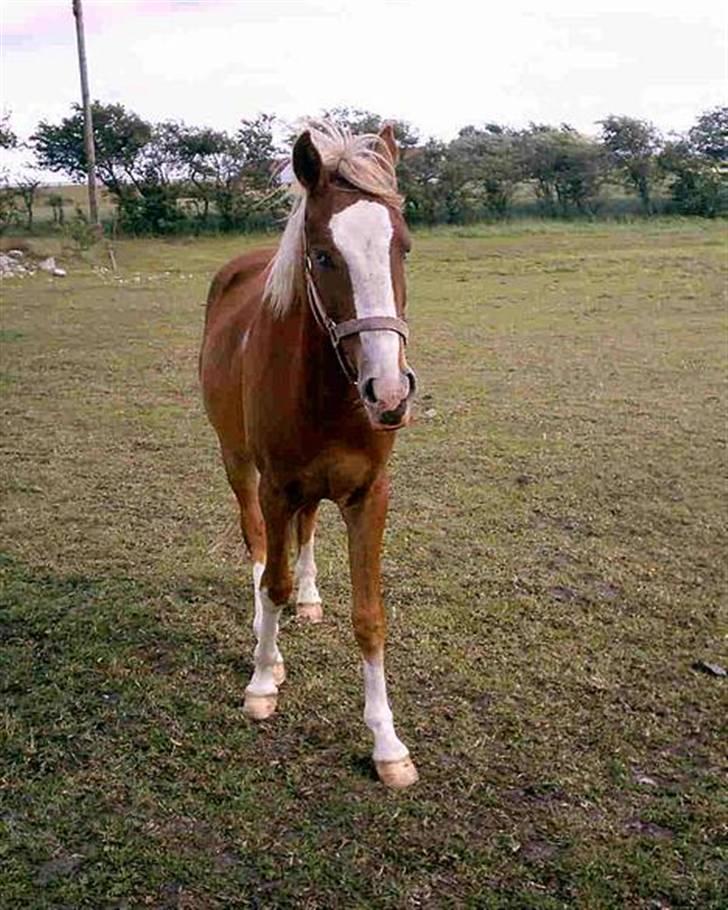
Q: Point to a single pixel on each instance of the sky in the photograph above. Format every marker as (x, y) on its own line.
(440, 65)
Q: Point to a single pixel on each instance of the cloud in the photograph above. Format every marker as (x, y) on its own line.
(439, 65)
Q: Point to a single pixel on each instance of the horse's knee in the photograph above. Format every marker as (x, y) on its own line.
(254, 535)
(370, 631)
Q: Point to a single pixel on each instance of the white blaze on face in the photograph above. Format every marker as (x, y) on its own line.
(363, 235)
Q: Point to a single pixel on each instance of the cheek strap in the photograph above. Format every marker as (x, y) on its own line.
(337, 331)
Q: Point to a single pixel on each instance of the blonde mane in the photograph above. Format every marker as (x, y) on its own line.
(361, 161)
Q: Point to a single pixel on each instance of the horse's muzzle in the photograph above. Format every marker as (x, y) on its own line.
(386, 408)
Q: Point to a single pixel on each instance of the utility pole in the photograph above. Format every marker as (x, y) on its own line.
(88, 129)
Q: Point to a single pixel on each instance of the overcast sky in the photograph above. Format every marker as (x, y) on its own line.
(440, 65)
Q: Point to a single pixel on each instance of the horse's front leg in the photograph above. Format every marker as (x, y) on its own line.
(261, 693)
(365, 519)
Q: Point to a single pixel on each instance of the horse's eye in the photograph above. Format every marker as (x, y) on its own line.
(323, 260)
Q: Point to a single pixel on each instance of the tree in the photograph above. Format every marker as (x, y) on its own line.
(709, 136)
(200, 151)
(363, 121)
(257, 146)
(425, 182)
(490, 164)
(568, 169)
(56, 203)
(696, 184)
(148, 202)
(633, 146)
(696, 166)
(8, 204)
(120, 137)
(8, 139)
(133, 160)
(227, 183)
(257, 198)
(232, 172)
(206, 168)
(27, 189)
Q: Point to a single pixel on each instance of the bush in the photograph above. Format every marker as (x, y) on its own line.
(698, 184)
(78, 229)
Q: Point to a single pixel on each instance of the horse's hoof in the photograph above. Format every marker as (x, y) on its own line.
(309, 612)
(259, 707)
(397, 774)
(279, 673)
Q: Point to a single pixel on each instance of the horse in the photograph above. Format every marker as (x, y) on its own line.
(305, 381)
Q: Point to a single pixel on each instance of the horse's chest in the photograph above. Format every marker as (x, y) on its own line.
(334, 474)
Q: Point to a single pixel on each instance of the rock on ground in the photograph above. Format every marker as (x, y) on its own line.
(15, 264)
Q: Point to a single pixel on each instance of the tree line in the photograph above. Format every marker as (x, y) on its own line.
(169, 177)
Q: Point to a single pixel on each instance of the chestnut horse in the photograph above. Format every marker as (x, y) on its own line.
(305, 380)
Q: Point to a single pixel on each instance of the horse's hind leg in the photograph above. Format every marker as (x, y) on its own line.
(243, 478)
(308, 600)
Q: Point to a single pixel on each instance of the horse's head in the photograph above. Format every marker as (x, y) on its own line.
(355, 246)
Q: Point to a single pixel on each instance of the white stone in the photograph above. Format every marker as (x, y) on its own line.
(11, 267)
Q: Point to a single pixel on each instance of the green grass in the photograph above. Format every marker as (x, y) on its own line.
(555, 562)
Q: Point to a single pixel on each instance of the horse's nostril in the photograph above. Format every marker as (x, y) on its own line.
(412, 382)
(369, 391)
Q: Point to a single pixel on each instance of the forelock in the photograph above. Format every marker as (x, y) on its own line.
(361, 161)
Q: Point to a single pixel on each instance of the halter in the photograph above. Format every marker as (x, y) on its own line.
(338, 330)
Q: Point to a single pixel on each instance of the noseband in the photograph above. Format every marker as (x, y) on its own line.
(338, 330)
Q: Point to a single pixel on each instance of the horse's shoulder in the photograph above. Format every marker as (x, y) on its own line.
(237, 271)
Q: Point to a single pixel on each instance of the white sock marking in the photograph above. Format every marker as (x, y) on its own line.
(378, 714)
(305, 575)
(258, 569)
(266, 651)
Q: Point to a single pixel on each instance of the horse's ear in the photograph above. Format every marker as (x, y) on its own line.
(307, 164)
(386, 134)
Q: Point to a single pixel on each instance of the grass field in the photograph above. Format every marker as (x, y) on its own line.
(554, 566)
